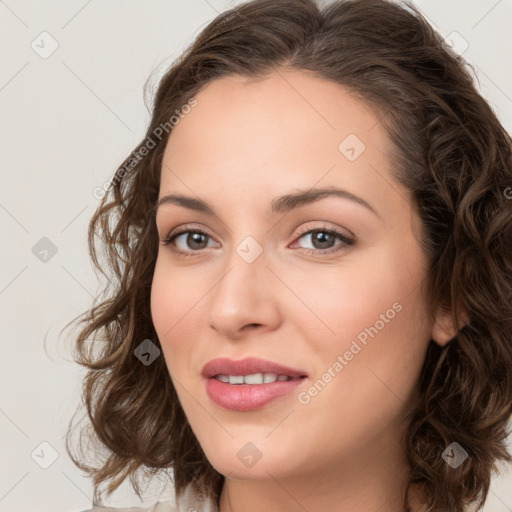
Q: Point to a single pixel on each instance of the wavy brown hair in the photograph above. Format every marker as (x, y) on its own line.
(448, 148)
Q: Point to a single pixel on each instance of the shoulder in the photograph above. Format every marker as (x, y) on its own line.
(187, 502)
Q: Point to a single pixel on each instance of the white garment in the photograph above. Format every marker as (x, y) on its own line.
(188, 502)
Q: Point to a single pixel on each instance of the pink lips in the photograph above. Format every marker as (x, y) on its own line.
(247, 397)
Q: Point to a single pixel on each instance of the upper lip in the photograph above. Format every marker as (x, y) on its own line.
(247, 366)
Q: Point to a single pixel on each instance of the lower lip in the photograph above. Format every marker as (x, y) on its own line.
(247, 397)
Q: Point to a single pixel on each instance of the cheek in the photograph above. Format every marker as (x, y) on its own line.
(346, 302)
(167, 307)
(177, 303)
(173, 295)
(377, 324)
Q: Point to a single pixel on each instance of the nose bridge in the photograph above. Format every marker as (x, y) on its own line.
(243, 295)
(246, 273)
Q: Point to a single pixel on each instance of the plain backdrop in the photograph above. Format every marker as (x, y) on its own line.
(68, 119)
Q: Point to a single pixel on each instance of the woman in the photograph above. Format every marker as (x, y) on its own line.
(312, 275)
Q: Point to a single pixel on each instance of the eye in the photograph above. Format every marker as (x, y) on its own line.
(194, 238)
(322, 240)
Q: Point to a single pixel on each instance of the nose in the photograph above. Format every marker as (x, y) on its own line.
(244, 299)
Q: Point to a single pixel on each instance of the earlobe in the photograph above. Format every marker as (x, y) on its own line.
(444, 328)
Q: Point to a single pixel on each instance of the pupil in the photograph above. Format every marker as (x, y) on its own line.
(196, 238)
(322, 237)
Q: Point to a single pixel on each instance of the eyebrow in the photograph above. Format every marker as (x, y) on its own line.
(279, 205)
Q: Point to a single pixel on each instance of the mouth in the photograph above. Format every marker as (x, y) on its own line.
(254, 378)
(248, 384)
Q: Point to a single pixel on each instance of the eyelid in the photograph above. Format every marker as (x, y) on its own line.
(188, 227)
(307, 228)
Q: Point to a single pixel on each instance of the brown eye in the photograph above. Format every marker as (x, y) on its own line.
(323, 240)
(194, 240)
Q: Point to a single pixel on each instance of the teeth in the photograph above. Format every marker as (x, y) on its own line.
(254, 378)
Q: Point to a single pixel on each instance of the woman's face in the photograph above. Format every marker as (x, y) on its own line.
(349, 314)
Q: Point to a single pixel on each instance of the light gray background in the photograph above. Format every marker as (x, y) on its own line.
(67, 121)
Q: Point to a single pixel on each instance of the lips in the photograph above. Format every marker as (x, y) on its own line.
(248, 366)
(249, 397)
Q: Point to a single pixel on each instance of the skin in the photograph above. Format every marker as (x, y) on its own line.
(245, 143)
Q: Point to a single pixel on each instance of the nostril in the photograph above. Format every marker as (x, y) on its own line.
(251, 326)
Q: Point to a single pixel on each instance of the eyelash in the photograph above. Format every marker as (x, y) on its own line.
(346, 241)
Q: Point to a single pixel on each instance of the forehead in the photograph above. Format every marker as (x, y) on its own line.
(282, 109)
(290, 128)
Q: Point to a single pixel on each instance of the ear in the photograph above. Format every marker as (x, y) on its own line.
(444, 328)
